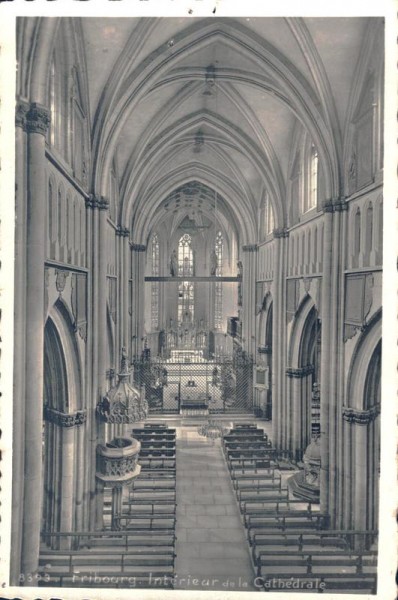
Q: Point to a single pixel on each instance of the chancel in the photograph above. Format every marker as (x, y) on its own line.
(198, 270)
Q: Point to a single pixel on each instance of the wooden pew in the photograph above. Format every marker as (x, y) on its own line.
(314, 561)
(283, 522)
(155, 453)
(157, 463)
(142, 523)
(322, 537)
(159, 445)
(112, 539)
(241, 476)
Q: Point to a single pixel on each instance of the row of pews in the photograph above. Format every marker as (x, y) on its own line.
(139, 551)
(291, 547)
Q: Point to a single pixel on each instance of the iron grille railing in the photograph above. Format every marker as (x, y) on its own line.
(224, 385)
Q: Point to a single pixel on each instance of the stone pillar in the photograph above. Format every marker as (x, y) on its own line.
(298, 417)
(19, 336)
(80, 472)
(279, 334)
(37, 121)
(249, 298)
(332, 349)
(341, 383)
(123, 277)
(67, 487)
(326, 318)
(138, 275)
(93, 229)
(117, 496)
(346, 517)
(91, 362)
(103, 206)
(358, 422)
(99, 505)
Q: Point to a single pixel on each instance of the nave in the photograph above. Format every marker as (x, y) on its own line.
(211, 510)
(199, 209)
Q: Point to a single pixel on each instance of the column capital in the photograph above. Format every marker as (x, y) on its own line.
(21, 110)
(360, 417)
(264, 349)
(281, 232)
(137, 247)
(335, 205)
(300, 372)
(64, 419)
(122, 231)
(99, 202)
(37, 119)
(250, 248)
(102, 203)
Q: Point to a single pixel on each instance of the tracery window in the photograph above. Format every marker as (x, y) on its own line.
(310, 193)
(269, 217)
(313, 195)
(186, 294)
(185, 256)
(218, 291)
(186, 305)
(155, 284)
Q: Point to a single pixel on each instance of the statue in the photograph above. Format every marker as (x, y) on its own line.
(173, 264)
(240, 269)
(213, 263)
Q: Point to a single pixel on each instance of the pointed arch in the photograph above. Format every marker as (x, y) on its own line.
(61, 341)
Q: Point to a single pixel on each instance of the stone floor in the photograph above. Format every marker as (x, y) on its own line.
(212, 550)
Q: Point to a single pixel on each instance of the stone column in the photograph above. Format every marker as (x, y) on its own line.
(93, 345)
(332, 343)
(359, 421)
(298, 416)
(138, 275)
(249, 298)
(279, 334)
(67, 487)
(37, 122)
(326, 317)
(336, 357)
(123, 275)
(19, 336)
(103, 206)
(80, 472)
(102, 385)
(341, 383)
(92, 365)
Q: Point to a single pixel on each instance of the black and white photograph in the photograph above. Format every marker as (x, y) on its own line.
(197, 222)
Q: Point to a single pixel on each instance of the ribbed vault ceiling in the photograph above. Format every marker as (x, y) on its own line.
(159, 110)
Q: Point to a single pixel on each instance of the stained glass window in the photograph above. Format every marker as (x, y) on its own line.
(218, 291)
(155, 284)
(186, 294)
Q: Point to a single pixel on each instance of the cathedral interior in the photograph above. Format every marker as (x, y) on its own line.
(198, 278)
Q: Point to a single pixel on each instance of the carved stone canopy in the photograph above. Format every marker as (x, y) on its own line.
(124, 402)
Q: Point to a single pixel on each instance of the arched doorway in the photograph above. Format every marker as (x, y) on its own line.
(62, 448)
(303, 411)
(361, 434)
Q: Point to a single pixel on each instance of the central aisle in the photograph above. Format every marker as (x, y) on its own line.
(212, 550)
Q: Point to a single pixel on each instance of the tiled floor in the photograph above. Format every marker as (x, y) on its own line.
(212, 550)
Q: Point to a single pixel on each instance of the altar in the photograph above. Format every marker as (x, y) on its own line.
(186, 356)
(194, 403)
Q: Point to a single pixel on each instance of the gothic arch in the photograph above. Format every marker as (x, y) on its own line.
(297, 346)
(364, 350)
(60, 340)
